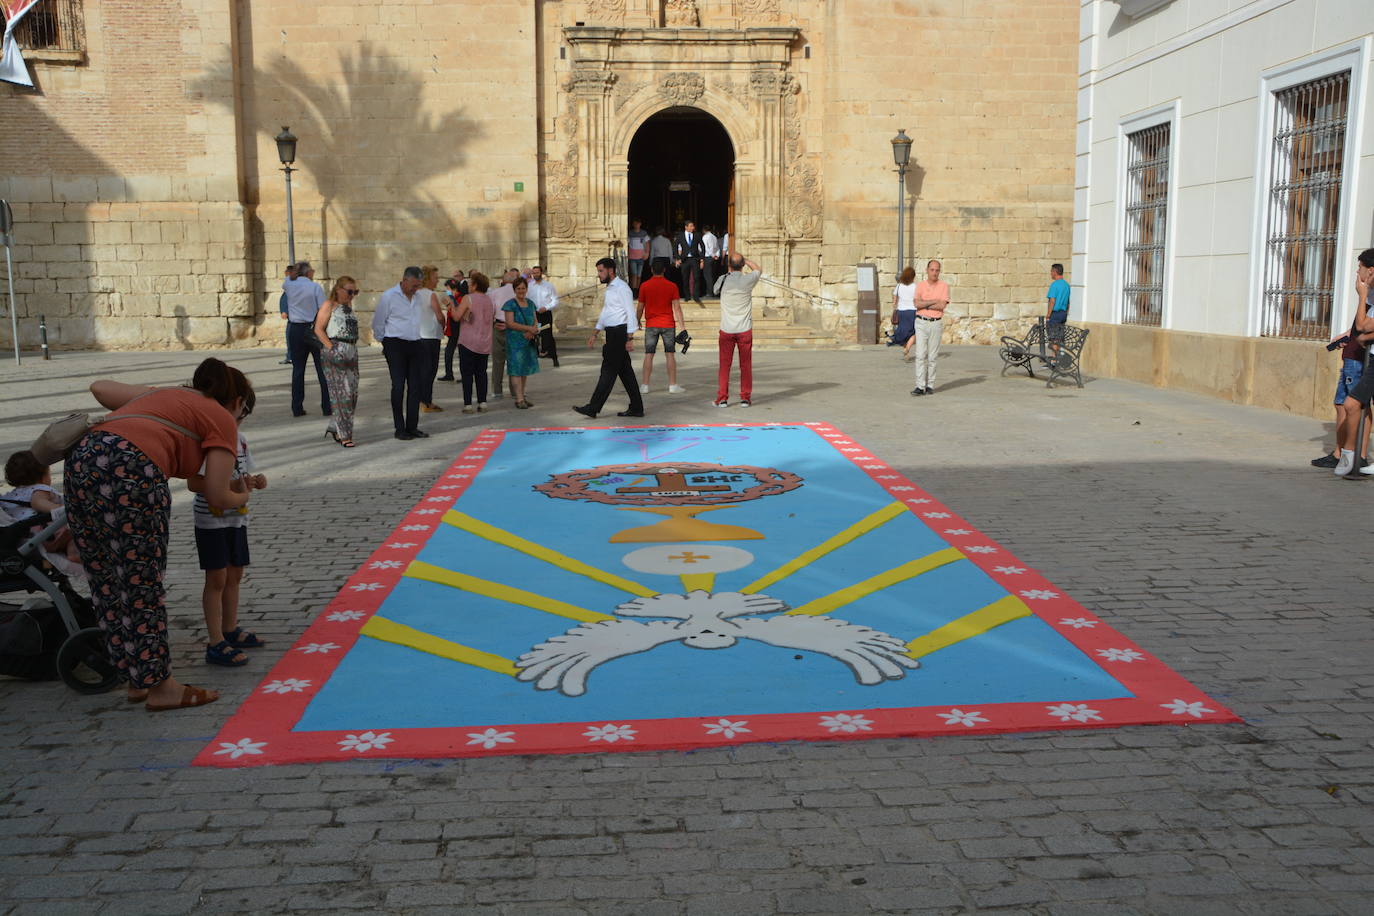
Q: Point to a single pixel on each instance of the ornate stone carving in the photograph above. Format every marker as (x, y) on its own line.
(681, 88)
(608, 11)
(589, 82)
(560, 178)
(681, 14)
(624, 91)
(803, 209)
(765, 84)
(759, 9)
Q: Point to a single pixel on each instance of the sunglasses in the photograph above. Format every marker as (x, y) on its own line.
(351, 292)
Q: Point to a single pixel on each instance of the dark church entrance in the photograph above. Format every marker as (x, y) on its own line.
(682, 166)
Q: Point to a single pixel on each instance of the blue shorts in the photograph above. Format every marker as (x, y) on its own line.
(636, 266)
(652, 336)
(221, 547)
(1351, 370)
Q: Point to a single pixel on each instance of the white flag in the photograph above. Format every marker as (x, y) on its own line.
(12, 68)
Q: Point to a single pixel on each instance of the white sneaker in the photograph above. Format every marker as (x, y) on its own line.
(643, 389)
(482, 407)
(1368, 470)
(676, 389)
(1346, 463)
(745, 403)
(468, 408)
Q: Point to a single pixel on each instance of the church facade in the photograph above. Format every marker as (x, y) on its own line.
(150, 203)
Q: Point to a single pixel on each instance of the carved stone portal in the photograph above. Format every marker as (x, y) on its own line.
(681, 14)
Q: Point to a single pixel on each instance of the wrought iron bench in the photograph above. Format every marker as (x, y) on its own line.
(1036, 347)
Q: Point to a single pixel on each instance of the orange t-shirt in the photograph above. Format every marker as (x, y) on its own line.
(927, 290)
(176, 454)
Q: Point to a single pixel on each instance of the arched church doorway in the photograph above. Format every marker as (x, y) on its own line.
(681, 167)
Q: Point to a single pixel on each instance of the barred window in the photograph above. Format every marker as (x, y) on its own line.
(52, 25)
(1147, 215)
(1306, 163)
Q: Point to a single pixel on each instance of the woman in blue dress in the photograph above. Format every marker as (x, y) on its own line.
(522, 332)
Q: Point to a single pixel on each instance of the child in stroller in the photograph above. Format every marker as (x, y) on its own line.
(33, 494)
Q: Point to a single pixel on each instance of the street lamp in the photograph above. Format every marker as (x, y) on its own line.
(286, 152)
(901, 155)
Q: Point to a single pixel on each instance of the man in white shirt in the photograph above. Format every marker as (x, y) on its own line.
(617, 320)
(545, 298)
(396, 323)
(736, 292)
(303, 299)
(712, 245)
(499, 297)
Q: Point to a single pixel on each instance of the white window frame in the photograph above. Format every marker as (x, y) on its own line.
(1354, 57)
(1168, 113)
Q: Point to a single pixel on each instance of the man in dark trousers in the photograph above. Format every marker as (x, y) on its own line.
(617, 320)
(689, 254)
(396, 323)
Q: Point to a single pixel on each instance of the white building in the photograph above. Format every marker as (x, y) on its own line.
(1224, 186)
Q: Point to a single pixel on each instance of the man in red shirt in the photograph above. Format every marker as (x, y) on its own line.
(659, 313)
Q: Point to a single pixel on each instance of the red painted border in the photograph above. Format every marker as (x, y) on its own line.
(259, 733)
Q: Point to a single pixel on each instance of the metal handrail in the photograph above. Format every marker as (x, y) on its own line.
(799, 292)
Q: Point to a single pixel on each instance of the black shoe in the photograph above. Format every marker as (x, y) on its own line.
(444, 378)
(327, 413)
(930, 391)
(298, 413)
(630, 413)
(697, 301)
(586, 412)
(417, 434)
(555, 362)
(917, 392)
(403, 436)
(1325, 461)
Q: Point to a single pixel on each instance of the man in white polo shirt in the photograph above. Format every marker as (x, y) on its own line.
(545, 298)
(617, 320)
(396, 324)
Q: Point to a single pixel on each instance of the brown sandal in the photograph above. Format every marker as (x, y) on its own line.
(190, 696)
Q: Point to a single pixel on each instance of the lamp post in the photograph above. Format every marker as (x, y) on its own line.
(286, 152)
(901, 155)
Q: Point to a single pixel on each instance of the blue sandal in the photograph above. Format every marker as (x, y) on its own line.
(224, 653)
(240, 639)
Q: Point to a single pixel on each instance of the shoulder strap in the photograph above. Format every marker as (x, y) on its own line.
(143, 416)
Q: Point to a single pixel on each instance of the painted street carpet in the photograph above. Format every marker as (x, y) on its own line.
(581, 590)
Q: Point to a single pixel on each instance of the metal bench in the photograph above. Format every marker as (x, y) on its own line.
(1036, 348)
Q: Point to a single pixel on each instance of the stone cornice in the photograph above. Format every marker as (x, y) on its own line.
(594, 44)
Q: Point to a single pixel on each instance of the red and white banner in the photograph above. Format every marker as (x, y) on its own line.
(12, 69)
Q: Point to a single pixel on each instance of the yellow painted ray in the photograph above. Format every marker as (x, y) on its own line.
(858, 529)
(698, 582)
(1002, 611)
(431, 573)
(390, 631)
(852, 593)
(496, 535)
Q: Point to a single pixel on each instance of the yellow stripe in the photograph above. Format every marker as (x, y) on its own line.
(431, 573)
(828, 603)
(692, 582)
(856, 530)
(562, 561)
(411, 638)
(970, 625)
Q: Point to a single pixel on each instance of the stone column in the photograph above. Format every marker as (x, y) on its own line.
(591, 91)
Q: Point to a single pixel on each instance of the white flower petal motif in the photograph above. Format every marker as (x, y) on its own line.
(366, 586)
(240, 748)
(346, 616)
(935, 515)
(844, 722)
(319, 648)
(491, 738)
(726, 728)
(366, 741)
(959, 717)
(449, 486)
(889, 477)
(385, 564)
(851, 450)
(428, 511)
(1039, 594)
(415, 527)
(438, 499)
(1078, 623)
(901, 488)
(979, 549)
(401, 545)
(1120, 655)
(610, 733)
(1009, 570)
(290, 685)
(957, 531)
(1078, 712)
(1184, 708)
(918, 502)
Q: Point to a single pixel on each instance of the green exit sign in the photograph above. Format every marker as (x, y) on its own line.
(519, 186)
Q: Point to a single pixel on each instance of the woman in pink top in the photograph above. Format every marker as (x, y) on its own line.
(932, 297)
(474, 316)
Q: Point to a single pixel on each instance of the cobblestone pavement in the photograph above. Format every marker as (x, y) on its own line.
(1197, 528)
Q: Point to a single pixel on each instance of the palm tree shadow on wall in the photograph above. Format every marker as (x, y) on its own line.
(369, 147)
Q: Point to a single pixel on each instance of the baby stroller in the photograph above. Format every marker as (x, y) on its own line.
(51, 633)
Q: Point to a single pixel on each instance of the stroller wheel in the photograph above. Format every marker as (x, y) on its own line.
(83, 663)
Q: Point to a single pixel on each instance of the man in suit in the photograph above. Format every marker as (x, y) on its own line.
(689, 254)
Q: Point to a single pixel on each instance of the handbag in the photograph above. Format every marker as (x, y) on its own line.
(61, 436)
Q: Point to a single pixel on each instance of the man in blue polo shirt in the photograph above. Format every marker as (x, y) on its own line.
(1057, 307)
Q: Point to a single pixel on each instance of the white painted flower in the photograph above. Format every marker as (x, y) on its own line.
(240, 748)
(918, 502)
(1078, 623)
(290, 685)
(877, 467)
(385, 564)
(1078, 712)
(401, 545)
(428, 511)
(726, 727)
(319, 648)
(957, 531)
(900, 488)
(491, 738)
(450, 486)
(851, 449)
(1184, 708)
(1009, 570)
(829, 435)
(461, 467)
(935, 515)
(415, 527)
(978, 549)
(1039, 594)
(366, 586)
(1120, 655)
(959, 717)
(844, 722)
(439, 499)
(366, 741)
(889, 477)
(459, 476)
(610, 733)
(346, 616)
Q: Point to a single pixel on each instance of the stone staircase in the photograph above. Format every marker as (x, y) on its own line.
(774, 325)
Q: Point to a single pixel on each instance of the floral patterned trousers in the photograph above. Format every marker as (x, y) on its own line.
(118, 507)
(341, 372)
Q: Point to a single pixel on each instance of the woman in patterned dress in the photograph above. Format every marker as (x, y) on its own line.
(337, 328)
(522, 332)
(118, 507)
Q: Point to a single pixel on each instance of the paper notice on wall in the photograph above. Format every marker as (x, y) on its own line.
(12, 68)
